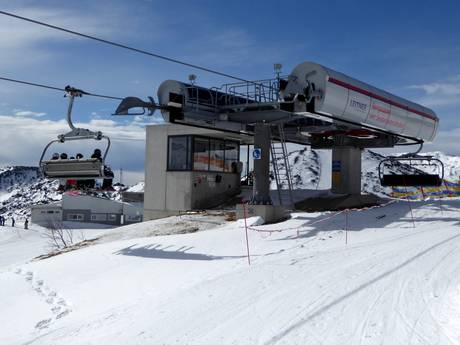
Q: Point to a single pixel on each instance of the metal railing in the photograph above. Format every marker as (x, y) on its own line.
(234, 94)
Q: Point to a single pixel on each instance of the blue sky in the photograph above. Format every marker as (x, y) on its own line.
(410, 48)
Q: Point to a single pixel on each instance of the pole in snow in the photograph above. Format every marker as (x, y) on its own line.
(346, 226)
(246, 230)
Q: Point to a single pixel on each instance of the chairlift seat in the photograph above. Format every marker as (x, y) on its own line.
(417, 180)
(78, 169)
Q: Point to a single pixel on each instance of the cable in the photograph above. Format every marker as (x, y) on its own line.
(119, 45)
(55, 88)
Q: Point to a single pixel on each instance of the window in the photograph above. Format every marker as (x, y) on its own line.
(77, 217)
(200, 153)
(101, 217)
(179, 153)
(112, 217)
(136, 218)
(217, 158)
(189, 152)
(231, 155)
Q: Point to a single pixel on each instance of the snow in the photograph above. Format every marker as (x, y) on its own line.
(393, 283)
(137, 188)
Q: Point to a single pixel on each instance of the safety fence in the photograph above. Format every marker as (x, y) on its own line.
(267, 231)
(446, 190)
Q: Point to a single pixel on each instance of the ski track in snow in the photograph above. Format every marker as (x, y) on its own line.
(58, 306)
(392, 284)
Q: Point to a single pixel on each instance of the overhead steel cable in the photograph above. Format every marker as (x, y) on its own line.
(119, 45)
(56, 88)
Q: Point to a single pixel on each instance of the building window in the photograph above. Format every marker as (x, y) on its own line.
(179, 148)
(132, 218)
(77, 217)
(99, 217)
(187, 152)
(112, 217)
(201, 154)
(232, 152)
(217, 155)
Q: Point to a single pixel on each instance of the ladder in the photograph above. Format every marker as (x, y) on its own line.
(281, 168)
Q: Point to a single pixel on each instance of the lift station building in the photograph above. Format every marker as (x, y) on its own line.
(192, 162)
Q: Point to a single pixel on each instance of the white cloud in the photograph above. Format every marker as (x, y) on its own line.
(440, 93)
(24, 138)
(23, 42)
(446, 141)
(28, 113)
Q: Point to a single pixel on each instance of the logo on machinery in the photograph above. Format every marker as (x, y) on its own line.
(358, 105)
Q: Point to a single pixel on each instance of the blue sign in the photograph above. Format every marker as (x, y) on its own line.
(257, 153)
(336, 166)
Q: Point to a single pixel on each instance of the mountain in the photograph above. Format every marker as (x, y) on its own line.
(21, 187)
(311, 169)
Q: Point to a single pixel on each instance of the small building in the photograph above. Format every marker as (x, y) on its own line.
(189, 168)
(87, 209)
(47, 214)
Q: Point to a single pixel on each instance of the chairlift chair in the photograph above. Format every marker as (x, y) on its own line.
(415, 177)
(77, 169)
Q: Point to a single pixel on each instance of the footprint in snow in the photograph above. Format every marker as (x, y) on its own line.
(58, 305)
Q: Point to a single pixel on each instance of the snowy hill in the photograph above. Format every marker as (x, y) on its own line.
(311, 169)
(390, 283)
(21, 187)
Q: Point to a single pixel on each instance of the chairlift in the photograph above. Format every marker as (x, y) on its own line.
(415, 175)
(81, 168)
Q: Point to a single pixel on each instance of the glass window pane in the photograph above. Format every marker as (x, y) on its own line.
(178, 153)
(217, 161)
(231, 155)
(201, 154)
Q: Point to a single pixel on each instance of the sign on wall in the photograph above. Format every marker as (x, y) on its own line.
(257, 153)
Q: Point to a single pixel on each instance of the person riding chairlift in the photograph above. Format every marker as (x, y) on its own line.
(97, 154)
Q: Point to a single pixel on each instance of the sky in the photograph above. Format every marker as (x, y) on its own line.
(409, 48)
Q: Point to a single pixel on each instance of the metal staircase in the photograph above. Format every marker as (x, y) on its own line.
(281, 167)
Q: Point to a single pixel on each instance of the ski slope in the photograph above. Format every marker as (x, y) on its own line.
(390, 284)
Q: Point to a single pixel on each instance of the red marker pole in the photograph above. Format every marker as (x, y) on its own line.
(246, 229)
(346, 226)
(410, 207)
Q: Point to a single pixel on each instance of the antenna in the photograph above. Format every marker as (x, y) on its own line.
(277, 68)
(192, 78)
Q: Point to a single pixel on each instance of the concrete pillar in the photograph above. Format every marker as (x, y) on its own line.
(346, 170)
(261, 189)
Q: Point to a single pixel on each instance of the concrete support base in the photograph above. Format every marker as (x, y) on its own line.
(346, 170)
(269, 213)
(339, 202)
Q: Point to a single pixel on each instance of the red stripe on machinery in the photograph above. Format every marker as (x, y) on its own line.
(380, 98)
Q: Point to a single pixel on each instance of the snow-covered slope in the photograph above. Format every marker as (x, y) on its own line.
(21, 187)
(390, 284)
(311, 169)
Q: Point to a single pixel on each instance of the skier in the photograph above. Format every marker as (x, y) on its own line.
(26, 224)
(1, 221)
(12, 222)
